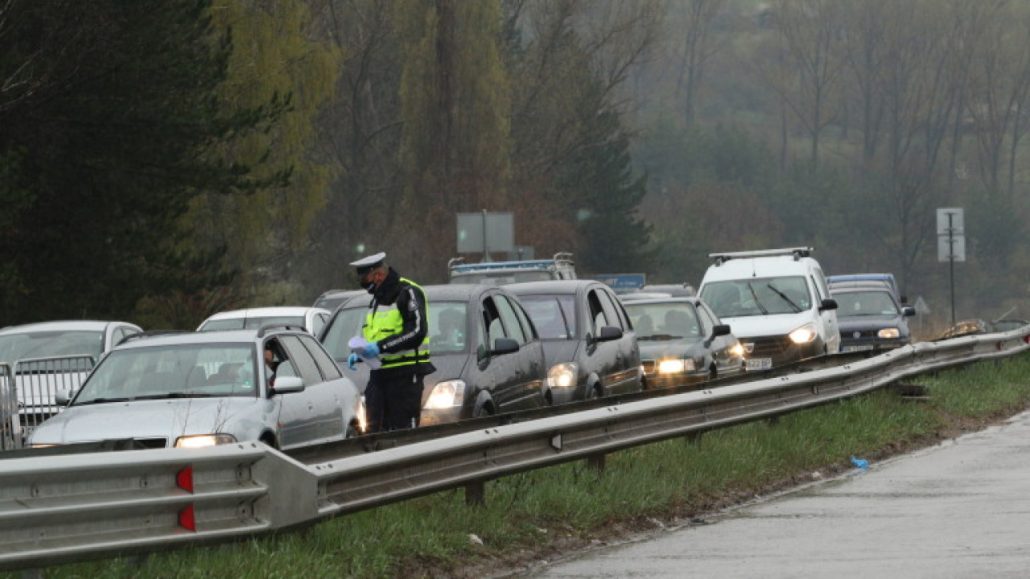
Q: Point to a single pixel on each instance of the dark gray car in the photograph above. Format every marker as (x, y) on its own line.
(683, 342)
(589, 342)
(487, 354)
(869, 317)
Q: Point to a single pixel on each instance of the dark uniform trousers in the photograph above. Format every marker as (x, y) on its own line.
(393, 399)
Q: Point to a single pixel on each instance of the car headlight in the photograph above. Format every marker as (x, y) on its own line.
(41, 445)
(563, 375)
(803, 335)
(204, 440)
(675, 366)
(737, 350)
(889, 333)
(446, 394)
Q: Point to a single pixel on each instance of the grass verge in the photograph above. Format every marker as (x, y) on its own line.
(542, 513)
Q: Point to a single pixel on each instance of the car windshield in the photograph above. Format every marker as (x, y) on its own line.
(250, 323)
(447, 328)
(664, 321)
(757, 296)
(871, 303)
(553, 315)
(174, 371)
(502, 278)
(49, 344)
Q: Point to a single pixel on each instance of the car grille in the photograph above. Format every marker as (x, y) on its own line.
(150, 442)
(767, 347)
(861, 334)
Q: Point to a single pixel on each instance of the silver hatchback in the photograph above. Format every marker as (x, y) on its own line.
(189, 390)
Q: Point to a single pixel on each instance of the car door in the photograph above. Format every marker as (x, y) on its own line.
(625, 372)
(602, 359)
(827, 318)
(719, 348)
(343, 392)
(530, 362)
(322, 401)
(499, 373)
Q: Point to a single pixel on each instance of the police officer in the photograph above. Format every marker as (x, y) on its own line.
(397, 331)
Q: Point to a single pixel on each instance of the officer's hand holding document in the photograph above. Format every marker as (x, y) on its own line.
(357, 345)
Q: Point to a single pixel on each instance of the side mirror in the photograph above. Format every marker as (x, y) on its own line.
(63, 397)
(908, 311)
(288, 385)
(720, 330)
(828, 304)
(504, 346)
(608, 333)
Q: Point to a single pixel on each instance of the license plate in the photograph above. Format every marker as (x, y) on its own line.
(759, 364)
(862, 348)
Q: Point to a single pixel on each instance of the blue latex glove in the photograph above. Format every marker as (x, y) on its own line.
(352, 360)
(371, 351)
(860, 463)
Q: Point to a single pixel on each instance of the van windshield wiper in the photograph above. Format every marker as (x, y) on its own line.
(175, 395)
(758, 302)
(796, 307)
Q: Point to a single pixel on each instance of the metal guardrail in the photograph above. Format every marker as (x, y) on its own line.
(38, 380)
(66, 508)
(10, 425)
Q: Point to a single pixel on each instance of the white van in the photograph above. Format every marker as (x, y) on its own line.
(775, 302)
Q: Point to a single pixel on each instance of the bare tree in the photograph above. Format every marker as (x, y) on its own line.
(697, 49)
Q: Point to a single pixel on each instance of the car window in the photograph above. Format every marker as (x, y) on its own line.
(328, 368)
(549, 317)
(448, 322)
(492, 322)
(611, 311)
(527, 326)
(820, 284)
(48, 344)
(708, 320)
(342, 327)
(664, 321)
(597, 319)
(317, 323)
(302, 360)
(870, 303)
(512, 325)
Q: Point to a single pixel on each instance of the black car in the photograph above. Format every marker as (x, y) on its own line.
(683, 342)
(869, 317)
(589, 343)
(486, 351)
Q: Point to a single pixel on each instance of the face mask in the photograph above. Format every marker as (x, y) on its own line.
(370, 287)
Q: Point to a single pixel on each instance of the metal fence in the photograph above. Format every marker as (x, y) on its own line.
(10, 424)
(38, 381)
(65, 508)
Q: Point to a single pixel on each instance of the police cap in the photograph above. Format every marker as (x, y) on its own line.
(367, 264)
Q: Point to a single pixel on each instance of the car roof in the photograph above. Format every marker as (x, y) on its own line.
(219, 337)
(852, 286)
(860, 277)
(759, 267)
(557, 286)
(669, 300)
(264, 312)
(641, 296)
(457, 292)
(495, 266)
(61, 325)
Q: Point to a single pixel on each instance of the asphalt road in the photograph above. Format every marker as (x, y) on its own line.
(960, 509)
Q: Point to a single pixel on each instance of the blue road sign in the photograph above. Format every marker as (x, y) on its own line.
(622, 282)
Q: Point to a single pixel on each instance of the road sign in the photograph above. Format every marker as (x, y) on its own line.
(499, 229)
(921, 307)
(957, 221)
(949, 248)
(622, 282)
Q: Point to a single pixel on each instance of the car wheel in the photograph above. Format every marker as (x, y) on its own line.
(594, 391)
(713, 374)
(484, 410)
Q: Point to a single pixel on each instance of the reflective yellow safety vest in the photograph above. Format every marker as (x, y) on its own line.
(383, 322)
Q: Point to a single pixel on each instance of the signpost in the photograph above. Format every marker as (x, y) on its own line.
(485, 232)
(951, 244)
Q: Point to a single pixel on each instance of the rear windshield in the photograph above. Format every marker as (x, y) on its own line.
(872, 303)
(757, 296)
(250, 323)
(14, 347)
(448, 328)
(553, 315)
(664, 321)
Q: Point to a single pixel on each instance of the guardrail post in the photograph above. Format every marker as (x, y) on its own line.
(596, 462)
(475, 493)
(694, 438)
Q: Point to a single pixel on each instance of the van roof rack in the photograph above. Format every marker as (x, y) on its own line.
(797, 252)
